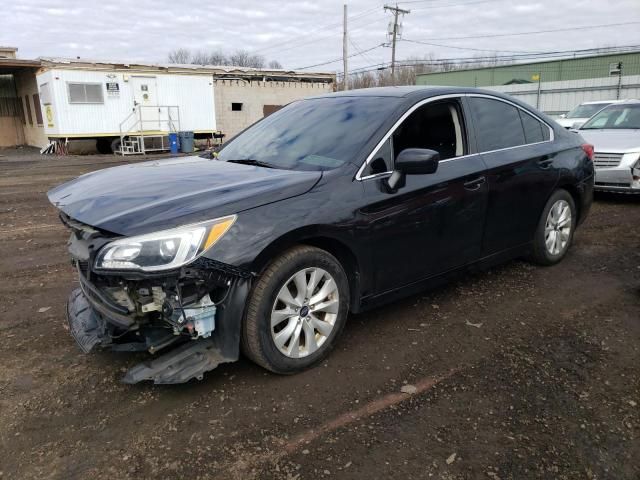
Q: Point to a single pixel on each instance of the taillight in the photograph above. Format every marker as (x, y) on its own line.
(588, 149)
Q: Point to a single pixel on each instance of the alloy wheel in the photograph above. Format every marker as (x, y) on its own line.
(304, 312)
(557, 229)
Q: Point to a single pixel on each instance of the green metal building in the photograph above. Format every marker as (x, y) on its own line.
(596, 66)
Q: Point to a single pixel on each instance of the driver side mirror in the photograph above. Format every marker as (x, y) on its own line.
(412, 161)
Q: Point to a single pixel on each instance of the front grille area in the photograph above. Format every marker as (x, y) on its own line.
(612, 184)
(83, 266)
(607, 160)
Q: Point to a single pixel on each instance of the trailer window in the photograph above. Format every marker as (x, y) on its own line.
(85, 93)
(45, 93)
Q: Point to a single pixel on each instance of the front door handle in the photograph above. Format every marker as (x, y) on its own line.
(545, 163)
(474, 184)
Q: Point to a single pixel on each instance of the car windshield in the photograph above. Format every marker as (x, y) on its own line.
(586, 110)
(315, 134)
(621, 116)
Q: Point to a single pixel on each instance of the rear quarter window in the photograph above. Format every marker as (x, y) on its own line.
(534, 130)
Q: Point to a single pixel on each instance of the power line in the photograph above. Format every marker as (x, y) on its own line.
(566, 29)
(472, 60)
(449, 5)
(298, 44)
(359, 50)
(353, 18)
(538, 55)
(340, 59)
(463, 48)
(445, 5)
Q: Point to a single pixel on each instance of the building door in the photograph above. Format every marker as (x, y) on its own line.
(145, 99)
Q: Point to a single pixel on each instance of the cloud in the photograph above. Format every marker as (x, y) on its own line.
(301, 33)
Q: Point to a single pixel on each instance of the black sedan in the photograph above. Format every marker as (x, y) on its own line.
(333, 204)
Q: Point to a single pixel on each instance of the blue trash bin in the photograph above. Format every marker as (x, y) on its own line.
(186, 142)
(173, 142)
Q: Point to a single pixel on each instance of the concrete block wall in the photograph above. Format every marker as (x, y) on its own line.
(254, 95)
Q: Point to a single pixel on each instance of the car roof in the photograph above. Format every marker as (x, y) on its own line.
(416, 93)
(607, 101)
(632, 101)
(409, 91)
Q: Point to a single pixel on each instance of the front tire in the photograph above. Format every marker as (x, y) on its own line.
(296, 311)
(554, 233)
(115, 146)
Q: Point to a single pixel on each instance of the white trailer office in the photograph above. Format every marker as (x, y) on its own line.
(132, 107)
(125, 109)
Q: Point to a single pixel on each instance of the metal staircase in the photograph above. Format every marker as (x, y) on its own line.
(146, 129)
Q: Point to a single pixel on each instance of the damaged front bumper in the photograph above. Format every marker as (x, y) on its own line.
(189, 318)
(189, 360)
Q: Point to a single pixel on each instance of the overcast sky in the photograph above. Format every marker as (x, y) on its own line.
(304, 33)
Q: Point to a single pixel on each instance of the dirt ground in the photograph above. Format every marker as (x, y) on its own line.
(519, 372)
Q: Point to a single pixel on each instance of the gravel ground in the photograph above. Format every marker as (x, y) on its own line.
(519, 372)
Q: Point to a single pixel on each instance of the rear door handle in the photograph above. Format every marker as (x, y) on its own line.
(474, 184)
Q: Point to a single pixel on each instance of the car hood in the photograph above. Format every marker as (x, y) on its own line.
(149, 196)
(612, 141)
(569, 122)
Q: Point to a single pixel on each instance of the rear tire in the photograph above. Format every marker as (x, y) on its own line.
(556, 226)
(296, 310)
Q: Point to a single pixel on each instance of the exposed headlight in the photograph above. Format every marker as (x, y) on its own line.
(164, 250)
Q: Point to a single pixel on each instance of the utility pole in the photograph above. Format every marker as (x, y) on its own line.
(345, 80)
(619, 89)
(394, 35)
(539, 75)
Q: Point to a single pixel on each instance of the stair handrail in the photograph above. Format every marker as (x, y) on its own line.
(138, 117)
(138, 126)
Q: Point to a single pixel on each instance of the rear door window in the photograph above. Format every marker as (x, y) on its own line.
(498, 124)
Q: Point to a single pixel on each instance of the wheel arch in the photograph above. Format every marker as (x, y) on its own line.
(327, 241)
(575, 194)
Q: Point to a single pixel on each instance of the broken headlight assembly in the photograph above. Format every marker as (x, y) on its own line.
(164, 250)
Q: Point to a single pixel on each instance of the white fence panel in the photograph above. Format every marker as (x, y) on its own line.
(555, 98)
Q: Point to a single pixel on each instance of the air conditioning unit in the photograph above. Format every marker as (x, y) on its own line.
(615, 68)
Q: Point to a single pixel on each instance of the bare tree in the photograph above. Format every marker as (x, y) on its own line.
(215, 57)
(179, 55)
(218, 57)
(407, 70)
(240, 58)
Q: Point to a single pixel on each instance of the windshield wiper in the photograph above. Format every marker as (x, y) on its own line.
(252, 161)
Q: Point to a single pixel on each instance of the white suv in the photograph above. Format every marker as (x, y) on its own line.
(615, 134)
(583, 112)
